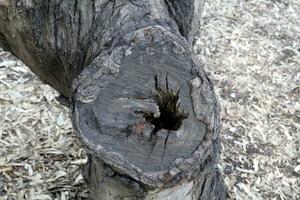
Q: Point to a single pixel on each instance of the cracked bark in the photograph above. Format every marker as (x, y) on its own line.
(103, 56)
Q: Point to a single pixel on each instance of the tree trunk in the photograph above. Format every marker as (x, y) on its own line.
(143, 108)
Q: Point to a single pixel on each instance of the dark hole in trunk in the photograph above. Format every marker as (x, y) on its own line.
(171, 116)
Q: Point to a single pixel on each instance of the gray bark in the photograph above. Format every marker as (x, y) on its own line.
(103, 55)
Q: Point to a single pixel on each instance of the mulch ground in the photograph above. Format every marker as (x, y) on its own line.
(251, 51)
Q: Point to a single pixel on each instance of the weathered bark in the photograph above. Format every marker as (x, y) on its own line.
(58, 38)
(103, 55)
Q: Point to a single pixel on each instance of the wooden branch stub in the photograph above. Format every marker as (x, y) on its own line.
(145, 140)
(111, 98)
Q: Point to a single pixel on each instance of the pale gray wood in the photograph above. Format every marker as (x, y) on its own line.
(102, 55)
(105, 183)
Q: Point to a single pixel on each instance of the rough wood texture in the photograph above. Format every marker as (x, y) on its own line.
(58, 38)
(104, 54)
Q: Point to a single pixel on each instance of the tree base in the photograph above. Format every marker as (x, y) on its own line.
(106, 184)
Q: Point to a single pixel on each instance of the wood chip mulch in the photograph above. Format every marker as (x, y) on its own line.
(251, 51)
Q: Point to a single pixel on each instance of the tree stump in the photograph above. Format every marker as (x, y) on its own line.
(145, 111)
